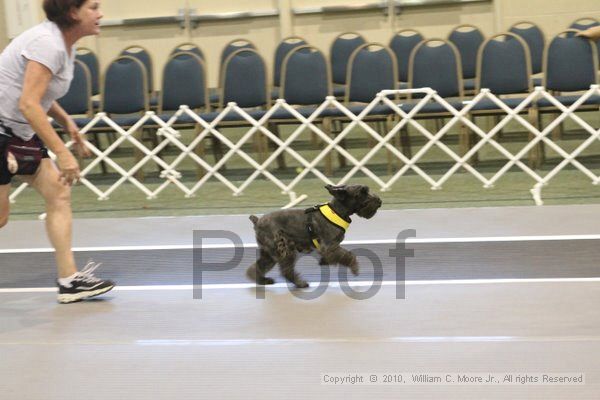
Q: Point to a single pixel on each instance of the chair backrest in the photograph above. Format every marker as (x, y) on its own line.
(189, 47)
(235, 45)
(435, 63)
(305, 76)
(283, 48)
(231, 47)
(467, 39)
(78, 99)
(534, 37)
(184, 82)
(570, 63)
(504, 65)
(341, 49)
(89, 58)
(244, 79)
(144, 56)
(125, 86)
(402, 44)
(582, 24)
(371, 69)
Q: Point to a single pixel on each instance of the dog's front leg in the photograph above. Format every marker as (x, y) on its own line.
(335, 254)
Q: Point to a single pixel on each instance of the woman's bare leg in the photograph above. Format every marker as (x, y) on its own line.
(59, 217)
(4, 204)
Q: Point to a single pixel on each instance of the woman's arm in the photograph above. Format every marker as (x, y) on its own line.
(35, 84)
(65, 120)
(59, 115)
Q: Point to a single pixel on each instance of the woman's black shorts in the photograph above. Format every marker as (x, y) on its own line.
(27, 154)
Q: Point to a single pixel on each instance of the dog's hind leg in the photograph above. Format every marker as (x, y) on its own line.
(256, 272)
(286, 257)
(287, 265)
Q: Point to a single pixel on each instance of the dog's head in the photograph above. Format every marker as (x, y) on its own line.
(355, 199)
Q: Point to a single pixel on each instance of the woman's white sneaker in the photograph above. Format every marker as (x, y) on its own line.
(83, 285)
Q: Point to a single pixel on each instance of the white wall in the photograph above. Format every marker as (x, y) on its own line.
(19, 15)
(491, 16)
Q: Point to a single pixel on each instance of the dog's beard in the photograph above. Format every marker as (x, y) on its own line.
(370, 208)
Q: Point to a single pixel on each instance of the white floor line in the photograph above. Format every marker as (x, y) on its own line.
(314, 340)
(399, 339)
(238, 286)
(486, 239)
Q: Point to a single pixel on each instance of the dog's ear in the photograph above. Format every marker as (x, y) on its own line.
(339, 192)
(364, 190)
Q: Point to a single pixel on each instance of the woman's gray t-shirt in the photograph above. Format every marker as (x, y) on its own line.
(43, 43)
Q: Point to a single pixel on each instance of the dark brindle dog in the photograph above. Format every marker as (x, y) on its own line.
(282, 234)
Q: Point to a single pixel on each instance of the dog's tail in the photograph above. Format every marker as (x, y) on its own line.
(254, 219)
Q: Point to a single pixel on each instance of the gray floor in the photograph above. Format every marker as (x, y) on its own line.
(164, 344)
(229, 345)
(428, 223)
(433, 261)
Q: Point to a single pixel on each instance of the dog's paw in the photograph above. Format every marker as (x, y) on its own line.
(265, 281)
(323, 261)
(354, 268)
(301, 284)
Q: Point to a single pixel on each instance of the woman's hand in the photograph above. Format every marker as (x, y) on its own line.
(592, 33)
(79, 142)
(68, 167)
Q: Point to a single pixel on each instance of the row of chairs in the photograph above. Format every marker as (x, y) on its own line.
(509, 51)
(504, 65)
(467, 39)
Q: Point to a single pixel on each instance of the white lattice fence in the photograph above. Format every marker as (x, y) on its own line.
(169, 135)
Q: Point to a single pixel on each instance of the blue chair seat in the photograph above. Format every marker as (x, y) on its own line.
(82, 121)
(339, 90)
(378, 110)
(275, 93)
(568, 101)
(79, 121)
(232, 116)
(487, 104)
(127, 120)
(469, 84)
(122, 121)
(183, 119)
(214, 95)
(304, 111)
(153, 101)
(432, 108)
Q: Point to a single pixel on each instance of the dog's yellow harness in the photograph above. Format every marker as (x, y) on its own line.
(331, 216)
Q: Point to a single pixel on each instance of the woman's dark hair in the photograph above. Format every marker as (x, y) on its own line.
(58, 11)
